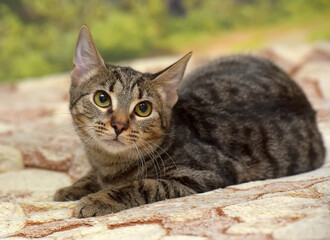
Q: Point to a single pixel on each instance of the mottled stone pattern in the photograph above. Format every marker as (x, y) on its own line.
(39, 153)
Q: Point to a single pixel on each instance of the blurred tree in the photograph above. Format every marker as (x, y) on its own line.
(38, 37)
(176, 8)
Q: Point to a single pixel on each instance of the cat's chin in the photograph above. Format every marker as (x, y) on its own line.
(115, 146)
(116, 143)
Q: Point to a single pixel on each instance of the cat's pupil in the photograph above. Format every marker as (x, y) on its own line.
(143, 107)
(103, 98)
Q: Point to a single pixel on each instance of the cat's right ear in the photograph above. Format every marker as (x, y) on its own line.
(87, 60)
(168, 80)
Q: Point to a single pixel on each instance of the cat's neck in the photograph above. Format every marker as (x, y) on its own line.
(107, 157)
(112, 163)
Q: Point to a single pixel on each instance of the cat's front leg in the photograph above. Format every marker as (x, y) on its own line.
(140, 192)
(84, 186)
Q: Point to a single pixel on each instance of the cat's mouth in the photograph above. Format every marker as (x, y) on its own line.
(114, 143)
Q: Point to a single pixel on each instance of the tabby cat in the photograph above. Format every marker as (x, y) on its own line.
(234, 120)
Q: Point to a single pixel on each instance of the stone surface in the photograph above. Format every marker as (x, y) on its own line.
(29, 180)
(10, 159)
(12, 218)
(39, 152)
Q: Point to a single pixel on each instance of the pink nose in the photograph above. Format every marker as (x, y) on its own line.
(119, 126)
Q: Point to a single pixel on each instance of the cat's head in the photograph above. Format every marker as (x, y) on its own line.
(118, 108)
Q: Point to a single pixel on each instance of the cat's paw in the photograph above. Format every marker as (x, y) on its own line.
(97, 204)
(70, 194)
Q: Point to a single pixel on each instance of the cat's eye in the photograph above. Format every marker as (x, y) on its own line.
(143, 109)
(102, 99)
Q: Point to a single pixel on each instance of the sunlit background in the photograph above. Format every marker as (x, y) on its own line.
(38, 37)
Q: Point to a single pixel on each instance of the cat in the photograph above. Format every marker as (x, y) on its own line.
(234, 120)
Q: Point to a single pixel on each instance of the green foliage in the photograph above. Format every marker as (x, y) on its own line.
(38, 37)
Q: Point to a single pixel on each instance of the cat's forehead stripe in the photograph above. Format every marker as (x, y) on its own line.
(135, 90)
(112, 86)
(116, 74)
(118, 87)
(133, 85)
(141, 93)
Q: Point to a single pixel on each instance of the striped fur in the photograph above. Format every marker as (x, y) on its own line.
(237, 119)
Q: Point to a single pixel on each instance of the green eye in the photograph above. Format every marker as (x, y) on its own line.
(143, 109)
(102, 99)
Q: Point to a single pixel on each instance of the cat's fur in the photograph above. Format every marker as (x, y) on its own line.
(237, 119)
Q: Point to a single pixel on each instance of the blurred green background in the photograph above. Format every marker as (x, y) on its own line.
(38, 37)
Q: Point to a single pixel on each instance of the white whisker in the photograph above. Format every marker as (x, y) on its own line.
(157, 146)
(152, 157)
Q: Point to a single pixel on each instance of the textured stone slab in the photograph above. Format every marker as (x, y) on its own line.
(39, 152)
(29, 180)
(10, 159)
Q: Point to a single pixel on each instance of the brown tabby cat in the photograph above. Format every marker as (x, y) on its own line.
(234, 120)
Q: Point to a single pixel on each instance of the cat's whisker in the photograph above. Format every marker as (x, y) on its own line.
(160, 157)
(137, 156)
(77, 153)
(157, 146)
(88, 141)
(152, 158)
(81, 130)
(74, 127)
(102, 133)
(131, 160)
(155, 150)
(143, 161)
(74, 164)
(73, 133)
(140, 163)
(83, 126)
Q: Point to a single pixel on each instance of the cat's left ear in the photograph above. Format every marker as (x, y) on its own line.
(169, 79)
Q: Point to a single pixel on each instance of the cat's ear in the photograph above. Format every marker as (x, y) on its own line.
(169, 79)
(87, 60)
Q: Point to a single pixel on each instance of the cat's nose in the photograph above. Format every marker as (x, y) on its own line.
(118, 126)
